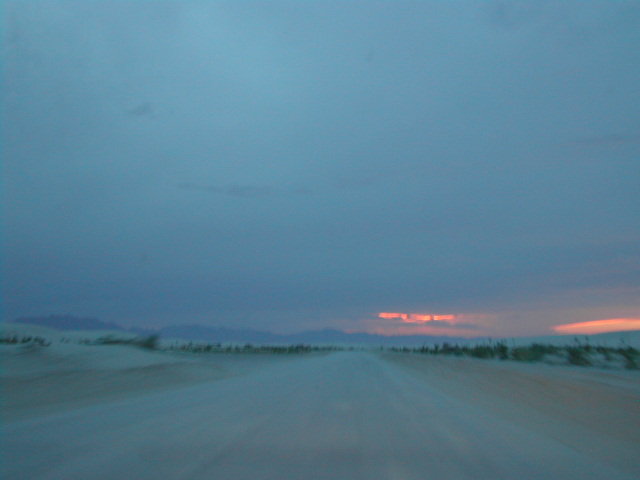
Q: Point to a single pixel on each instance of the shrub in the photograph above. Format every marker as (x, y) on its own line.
(482, 351)
(577, 356)
(151, 342)
(502, 351)
(630, 355)
(12, 340)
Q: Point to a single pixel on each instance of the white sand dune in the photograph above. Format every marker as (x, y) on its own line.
(611, 339)
(348, 415)
(37, 380)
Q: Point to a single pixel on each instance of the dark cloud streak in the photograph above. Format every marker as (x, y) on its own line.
(609, 139)
(143, 110)
(244, 191)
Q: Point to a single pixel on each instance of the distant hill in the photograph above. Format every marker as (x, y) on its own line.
(69, 322)
(223, 335)
(202, 333)
(315, 337)
(370, 339)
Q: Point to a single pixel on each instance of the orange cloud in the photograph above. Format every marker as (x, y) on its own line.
(416, 317)
(403, 316)
(599, 326)
(427, 324)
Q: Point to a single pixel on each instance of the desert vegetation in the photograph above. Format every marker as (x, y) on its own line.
(576, 353)
(24, 340)
(150, 342)
(580, 354)
(250, 348)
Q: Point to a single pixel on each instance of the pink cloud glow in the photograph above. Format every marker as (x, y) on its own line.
(599, 326)
(416, 317)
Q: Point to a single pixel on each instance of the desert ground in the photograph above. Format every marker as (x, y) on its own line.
(73, 411)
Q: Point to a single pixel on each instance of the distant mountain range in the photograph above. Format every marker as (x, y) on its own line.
(69, 322)
(225, 335)
(315, 337)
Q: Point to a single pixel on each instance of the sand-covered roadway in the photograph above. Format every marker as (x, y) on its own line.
(346, 415)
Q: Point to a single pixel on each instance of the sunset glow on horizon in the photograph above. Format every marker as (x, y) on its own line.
(390, 315)
(405, 323)
(599, 326)
(416, 317)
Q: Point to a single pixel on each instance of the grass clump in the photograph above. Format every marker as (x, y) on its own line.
(631, 357)
(150, 342)
(249, 348)
(578, 356)
(483, 351)
(27, 340)
(533, 353)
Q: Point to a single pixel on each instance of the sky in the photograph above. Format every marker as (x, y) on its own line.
(472, 167)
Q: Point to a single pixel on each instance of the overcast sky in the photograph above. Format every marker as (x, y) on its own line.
(301, 165)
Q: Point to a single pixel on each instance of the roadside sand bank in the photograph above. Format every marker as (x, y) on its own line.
(591, 410)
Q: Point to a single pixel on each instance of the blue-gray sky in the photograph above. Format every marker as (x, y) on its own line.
(300, 165)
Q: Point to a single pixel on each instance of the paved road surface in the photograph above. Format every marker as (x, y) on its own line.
(342, 416)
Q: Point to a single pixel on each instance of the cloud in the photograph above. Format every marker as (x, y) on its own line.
(599, 326)
(573, 18)
(338, 184)
(434, 327)
(142, 110)
(513, 15)
(609, 139)
(453, 325)
(448, 321)
(243, 191)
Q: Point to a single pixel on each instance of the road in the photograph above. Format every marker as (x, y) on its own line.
(348, 415)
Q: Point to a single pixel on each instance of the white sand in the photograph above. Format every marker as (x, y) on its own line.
(349, 415)
(611, 339)
(593, 411)
(37, 380)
